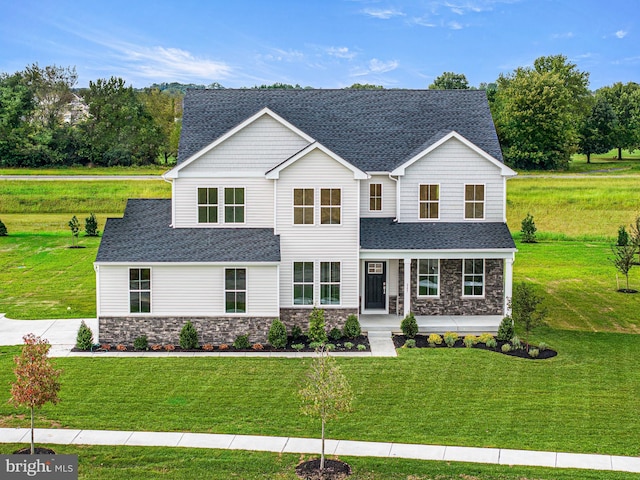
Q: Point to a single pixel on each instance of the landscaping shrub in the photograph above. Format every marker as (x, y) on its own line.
(242, 342)
(297, 346)
(91, 226)
(188, 336)
(141, 343)
(491, 343)
(277, 336)
(542, 346)
(516, 343)
(296, 332)
(316, 345)
(335, 334)
(434, 339)
(351, 327)
(330, 347)
(317, 332)
(361, 347)
(505, 330)
(534, 352)
(470, 341)
(409, 326)
(3, 229)
(84, 339)
(506, 348)
(450, 338)
(410, 343)
(348, 345)
(484, 337)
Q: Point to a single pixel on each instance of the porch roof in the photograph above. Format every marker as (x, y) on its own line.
(386, 234)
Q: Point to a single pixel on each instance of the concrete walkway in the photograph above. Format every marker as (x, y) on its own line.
(497, 456)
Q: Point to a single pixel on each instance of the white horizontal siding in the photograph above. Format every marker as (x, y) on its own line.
(452, 165)
(319, 243)
(388, 197)
(259, 146)
(184, 290)
(258, 201)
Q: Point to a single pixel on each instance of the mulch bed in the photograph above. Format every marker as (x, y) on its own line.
(333, 470)
(421, 342)
(36, 450)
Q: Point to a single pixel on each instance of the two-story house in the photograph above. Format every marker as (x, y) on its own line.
(354, 201)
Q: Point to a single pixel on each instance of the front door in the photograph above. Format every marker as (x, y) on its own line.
(375, 286)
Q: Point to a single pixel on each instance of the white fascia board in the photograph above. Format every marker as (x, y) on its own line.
(274, 173)
(186, 264)
(255, 173)
(504, 170)
(173, 173)
(421, 254)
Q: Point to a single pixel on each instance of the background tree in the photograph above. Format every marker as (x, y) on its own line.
(326, 393)
(51, 88)
(625, 102)
(36, 379)
(365, 86)
(165, 109)
(525, 310)
(528, 229)
(450, 81)
(596, 129)
(16, 107)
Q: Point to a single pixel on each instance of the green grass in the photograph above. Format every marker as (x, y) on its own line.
(147, 170)
(116, 463)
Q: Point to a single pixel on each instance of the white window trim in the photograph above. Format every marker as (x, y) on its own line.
(320, 283)
(381, 196)
(293, 207)
(429, 201)
(246, 292)
(313, 284)
(320, 207)
(198, 204)
(224, 205)
(484, 281)
(464, 203)
(418, 278)
(150, 312)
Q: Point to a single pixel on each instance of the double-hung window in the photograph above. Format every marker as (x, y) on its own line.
(330, 283)
(303, 283)
(234, 205)
(303, 210)
(207, 205)
(330, 206)
(430, 201)
(375, 197)
(474, 201)
(235, 290)
(428, 277)
(473, 277)
(139, 290)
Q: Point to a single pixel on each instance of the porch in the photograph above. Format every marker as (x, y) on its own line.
(462, 324)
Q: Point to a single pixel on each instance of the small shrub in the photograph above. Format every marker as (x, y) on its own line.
(297, 346)
(316, 345)
(277, 336)
(296, 332)
(3, 229)
(534, 352)
(470, 341)
(242, 342)
(528, 229)
(623, 237)
(141, 343)
(105, 346)
(257, 347)
(330, 347)
(482, 338)
(207, 347)
(156, 346)
(491, 343)
(121, 348)
(434, 339)
(317, 332)
(223, 346)
(84, 339)
(348, 345)
(450, 338)
(505, 330)
(543, 346)
(361, 347)
(91, 226)
(410, 343)
(516, 343)
(409, 326)
(188, 336)
(506, 348)
(351, 327)
(335, 334)
(169, 347)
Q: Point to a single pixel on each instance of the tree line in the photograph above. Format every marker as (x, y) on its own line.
(543, 114)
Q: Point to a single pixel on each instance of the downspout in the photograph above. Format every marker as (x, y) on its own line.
(173, 211)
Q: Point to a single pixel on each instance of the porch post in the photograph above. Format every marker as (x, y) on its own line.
(407, 286)
(508, 283)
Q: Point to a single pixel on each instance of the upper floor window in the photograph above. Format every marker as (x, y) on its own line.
(428, 277)
(474, 201)
(303, 206)
(375, 197)
(473, 277)
(330, 283)
(330, 206)
(430, 201)
(235, 290)
(303, 283)
(234, 205)
(139, 290)
(207, 205)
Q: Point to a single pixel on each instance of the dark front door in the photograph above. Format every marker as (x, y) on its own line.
(375, 287)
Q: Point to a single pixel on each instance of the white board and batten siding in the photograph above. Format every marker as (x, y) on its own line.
(452, 165)
(188, 290)
(319, 243)
(388, 197)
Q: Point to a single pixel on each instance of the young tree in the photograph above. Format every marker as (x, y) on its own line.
(91, 226)
(528, 229)
(450, 81)
(524, 308)
(36, 379)
(74, 225)
(623, 260)
(326, 392)
(317, 326)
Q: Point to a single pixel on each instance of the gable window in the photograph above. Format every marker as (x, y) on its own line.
(139, 290)
(474, 201)
(330, 283)
(234, 205)
(235, 290)
(207, 205)
(303, 206)
(430, 201)
(473, 277)
(303, 283)
(330, 206)
(428, 277)
(375, 197)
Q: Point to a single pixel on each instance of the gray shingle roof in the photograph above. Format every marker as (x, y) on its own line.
(375, 130)
(385, 234)
(144, 235)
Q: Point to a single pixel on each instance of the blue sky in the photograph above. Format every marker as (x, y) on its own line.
(319, 43)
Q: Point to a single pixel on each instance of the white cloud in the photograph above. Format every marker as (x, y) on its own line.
(423, 21)
(280, 55)
(454, 26)
(383, 14)
(621, 33)
(562, 35)
(341, 52)
(378, 66)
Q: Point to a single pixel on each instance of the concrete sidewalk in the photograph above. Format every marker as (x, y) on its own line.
(497, 456)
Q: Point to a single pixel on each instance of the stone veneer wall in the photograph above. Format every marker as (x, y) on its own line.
(333, 317)
(451, 301)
